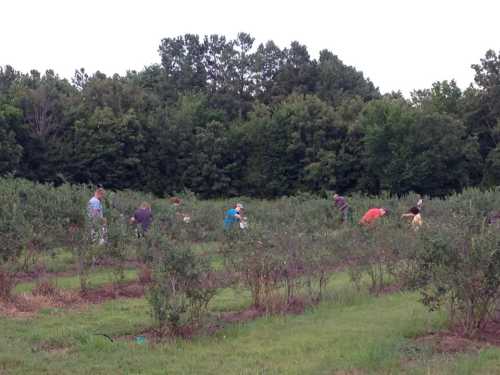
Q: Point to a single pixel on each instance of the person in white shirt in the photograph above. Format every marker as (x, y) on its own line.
(420, 203)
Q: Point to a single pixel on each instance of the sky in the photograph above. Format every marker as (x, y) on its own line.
(399, 44)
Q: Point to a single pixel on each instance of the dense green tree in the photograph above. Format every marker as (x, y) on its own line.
(338, 82)
(183, 61)
(208, 170)
(298, 74)
(350, 172)
(223, 117)
(483, 112)
(269, 59)
(302, 138)
(45, 102)
(107, 150)
(10, 150)
(413, 150)
(442, 97)
(8, 76)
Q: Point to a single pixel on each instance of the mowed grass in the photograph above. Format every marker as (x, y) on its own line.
(350, 331)
(62, 261)
(95, 279)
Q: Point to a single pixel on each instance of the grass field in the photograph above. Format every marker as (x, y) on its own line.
(348, 333)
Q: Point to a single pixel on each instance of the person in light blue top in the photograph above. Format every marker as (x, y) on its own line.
(95, 209)
(232, 216)
(95, 212)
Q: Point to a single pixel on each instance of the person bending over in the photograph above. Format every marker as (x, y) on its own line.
(415, 216)
(142, 218)
(233, 216)
(372, 215)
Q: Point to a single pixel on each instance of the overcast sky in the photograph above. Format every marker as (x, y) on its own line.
(398, 44)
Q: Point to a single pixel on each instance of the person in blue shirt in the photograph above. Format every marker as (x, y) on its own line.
(95, 212)
(94, 207)
(232, 216)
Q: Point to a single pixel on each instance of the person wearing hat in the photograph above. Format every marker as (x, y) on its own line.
(372, 215)
(233, 216)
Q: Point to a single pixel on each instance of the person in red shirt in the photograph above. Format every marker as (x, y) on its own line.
(373, 214)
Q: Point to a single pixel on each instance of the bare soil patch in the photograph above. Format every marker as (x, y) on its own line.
(45, 296)
(131, 289)
(455, 340)
(388, 289)
(242, 316)
(27, 305)
(295, 306)
(449, 342)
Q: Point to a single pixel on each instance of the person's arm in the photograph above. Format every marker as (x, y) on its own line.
(407, 215)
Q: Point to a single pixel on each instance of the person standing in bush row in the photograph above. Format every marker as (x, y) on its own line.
(345, 211)
(233, 216)
(95, 212)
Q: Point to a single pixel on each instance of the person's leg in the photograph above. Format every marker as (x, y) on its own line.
(349, 217)
(345, 215)
(103, 235)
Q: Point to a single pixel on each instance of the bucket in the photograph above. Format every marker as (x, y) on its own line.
(140, 340)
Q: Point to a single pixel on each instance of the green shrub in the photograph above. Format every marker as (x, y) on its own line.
(459, 267)
(179, 291)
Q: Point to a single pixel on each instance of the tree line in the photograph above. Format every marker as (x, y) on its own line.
(225, 117)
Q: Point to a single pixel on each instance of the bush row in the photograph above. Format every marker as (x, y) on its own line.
(292, 248)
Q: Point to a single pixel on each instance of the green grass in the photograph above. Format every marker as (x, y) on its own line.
(96, 278)
(210, 249)
(63, 260)
(348, 331)
(58, 261)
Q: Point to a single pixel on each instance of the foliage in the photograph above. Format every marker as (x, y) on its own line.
(227, 117)
(460, 267)
(291, 249)
(411, 150)
(178, 292)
